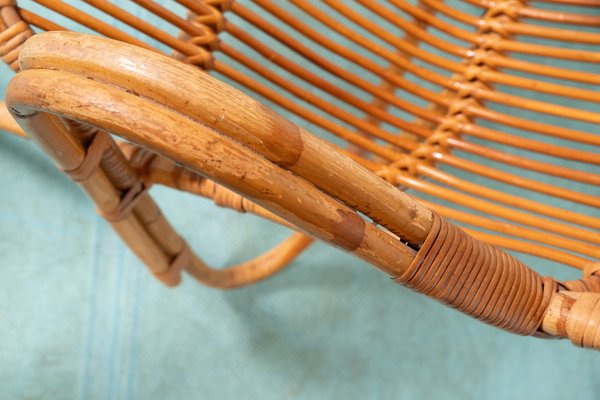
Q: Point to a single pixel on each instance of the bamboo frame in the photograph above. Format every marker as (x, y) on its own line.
(340, 182)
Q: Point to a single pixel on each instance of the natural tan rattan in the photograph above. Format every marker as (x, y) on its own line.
(455, 87)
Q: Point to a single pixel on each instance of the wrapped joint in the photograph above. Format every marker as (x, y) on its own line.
(127, 203)
(140, 159)
(479, 280)
(92, 158)
(208, 17)
(440, 139)
(510, 8)
(589, 282)
(453, 124)
(172, 275)
(495, 25)
(209, 40)
(213, 18)
(405, 165)
(204, 59)
(479, 57)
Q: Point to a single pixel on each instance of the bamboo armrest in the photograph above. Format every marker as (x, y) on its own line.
(242, 274)
(218, 132)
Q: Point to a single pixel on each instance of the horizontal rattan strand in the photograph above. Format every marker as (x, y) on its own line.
(490, 3)
(508, 199)
(327, 65)
(494, 76)
(525, 162)
(524, 247)
(523, 11)
(519, 232)
(531, 126)
(505, 27)
(485, 75)
(92, 22)
(519, 181)
(498, 210)
(323, 84)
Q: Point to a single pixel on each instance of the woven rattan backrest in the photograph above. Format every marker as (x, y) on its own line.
(452, 97)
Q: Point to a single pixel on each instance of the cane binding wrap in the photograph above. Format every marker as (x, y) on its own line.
(262, 163)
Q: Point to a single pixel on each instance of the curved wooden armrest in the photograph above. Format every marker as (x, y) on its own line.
(248, 272)
(216, 131)
(70, 75)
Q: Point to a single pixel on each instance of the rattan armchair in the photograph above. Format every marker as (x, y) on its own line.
(477, 91)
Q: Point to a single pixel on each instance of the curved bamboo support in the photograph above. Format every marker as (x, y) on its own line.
(270, 161)
(246, 273)
(160, 79)
(347, 230)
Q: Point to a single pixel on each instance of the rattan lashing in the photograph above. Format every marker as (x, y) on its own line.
(253, 160)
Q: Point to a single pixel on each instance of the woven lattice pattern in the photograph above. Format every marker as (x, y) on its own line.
(454, 105)
(433, 99)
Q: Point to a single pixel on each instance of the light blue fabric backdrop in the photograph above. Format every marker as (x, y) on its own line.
(81, 319)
